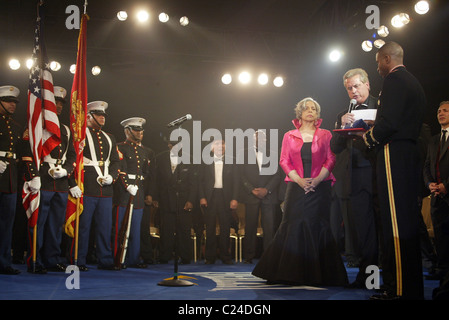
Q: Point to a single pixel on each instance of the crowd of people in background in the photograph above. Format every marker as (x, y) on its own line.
(350, 196)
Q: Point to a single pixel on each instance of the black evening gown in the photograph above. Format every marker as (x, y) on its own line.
(303, 250)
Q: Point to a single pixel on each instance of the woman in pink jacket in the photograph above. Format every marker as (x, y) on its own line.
(304, 251)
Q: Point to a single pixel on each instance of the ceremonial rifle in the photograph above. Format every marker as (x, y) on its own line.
(124, 234)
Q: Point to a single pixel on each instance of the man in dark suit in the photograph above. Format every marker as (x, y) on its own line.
(10, 136)
(354, 185)
(218, 193)
(259, 191)
(177, 185)
(436, 178)
(394, 135)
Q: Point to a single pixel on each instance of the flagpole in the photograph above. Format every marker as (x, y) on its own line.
(77, 218)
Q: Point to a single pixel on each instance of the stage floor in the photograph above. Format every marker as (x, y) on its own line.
(209, 282)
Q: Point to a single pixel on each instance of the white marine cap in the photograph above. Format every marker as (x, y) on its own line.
(60, 92)
(9, 93)
(134, 123)
(97, 107)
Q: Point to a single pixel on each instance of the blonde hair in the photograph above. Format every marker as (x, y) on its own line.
(301, 106)
(354, 72)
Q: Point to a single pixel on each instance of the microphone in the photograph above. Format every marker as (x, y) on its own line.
(179, 121)
(352, 103)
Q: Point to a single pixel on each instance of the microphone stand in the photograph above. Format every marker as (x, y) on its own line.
(175, 281)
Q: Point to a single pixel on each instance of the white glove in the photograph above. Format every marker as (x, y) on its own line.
(76, 192)
(3, 166)
(57, 173)
(132, 189)
(35, 185)
(105, 180)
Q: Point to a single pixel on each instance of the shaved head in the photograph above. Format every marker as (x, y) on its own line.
(389, 56)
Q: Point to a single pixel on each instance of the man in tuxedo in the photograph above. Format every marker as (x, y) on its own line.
(436, 178)
(259, 191)
(176, 192)
(354, 186)
(394, 136)
(218, 193)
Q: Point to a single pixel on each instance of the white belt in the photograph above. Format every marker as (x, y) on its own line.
(91, 163)
(133, 176)
(7, 154)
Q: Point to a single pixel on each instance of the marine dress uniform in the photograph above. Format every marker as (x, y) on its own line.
(101, 168)
(10, 135)
(54, 172)
(135, 162)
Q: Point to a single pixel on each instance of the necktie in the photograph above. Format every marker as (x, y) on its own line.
(443, 139)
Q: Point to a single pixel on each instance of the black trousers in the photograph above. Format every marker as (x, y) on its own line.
(175, 230)
(440, 222)
(397, 177)
(269, 227)
(217, 208)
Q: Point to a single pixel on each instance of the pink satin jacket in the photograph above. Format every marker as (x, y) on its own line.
(322, 155)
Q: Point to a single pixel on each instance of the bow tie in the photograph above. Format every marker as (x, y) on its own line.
(361, 107)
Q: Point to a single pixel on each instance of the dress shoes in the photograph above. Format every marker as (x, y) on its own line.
(248, 261)
(228, 261)
(83, 268)
(59, 267)
(37, 270)
(108, 267)
(385, 296)
(139, 266)
(210, 262)
(9, 270)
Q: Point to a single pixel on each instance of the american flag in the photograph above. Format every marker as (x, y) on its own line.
(43, 124)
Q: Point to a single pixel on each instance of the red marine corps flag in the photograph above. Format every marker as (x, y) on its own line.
(43, 124)
(78, 110)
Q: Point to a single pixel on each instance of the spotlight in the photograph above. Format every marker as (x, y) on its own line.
(379, 43)
(122, 15)
(55, 65)
(29, 63)
(335, 55)
(244, 77)
(163, 17)
(383, 31)
(278, 82)
(262, 79)
(184, 21)
(400, 20)
(226, 79)
(142, 16)
(14, 64)
(367, 45)
(96, 70)
(73, 68)
(422, 7)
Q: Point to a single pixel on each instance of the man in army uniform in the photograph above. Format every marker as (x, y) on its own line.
(135, 173)
(54, 171)
(9, 137)
(101, 168)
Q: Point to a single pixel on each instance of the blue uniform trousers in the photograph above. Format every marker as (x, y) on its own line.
(133, 251)
(50, 222)
(7, 212)
(97, 210)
